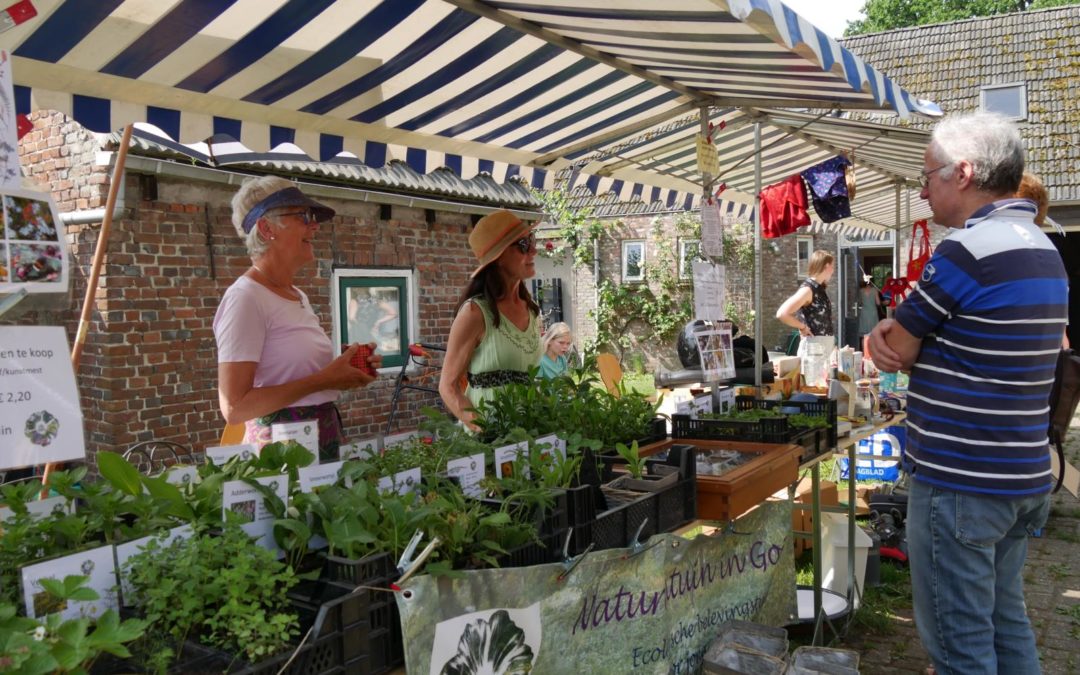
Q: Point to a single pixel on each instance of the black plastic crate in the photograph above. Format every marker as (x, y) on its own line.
(581, 512)
(822, 408)
(382, 641)
(616, 527)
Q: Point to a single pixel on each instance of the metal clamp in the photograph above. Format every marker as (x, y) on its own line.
(635, 545)
(407, 566)
(570, 562)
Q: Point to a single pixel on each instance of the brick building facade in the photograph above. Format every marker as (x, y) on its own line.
(149, 365)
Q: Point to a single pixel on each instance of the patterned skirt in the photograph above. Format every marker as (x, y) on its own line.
(331, 429)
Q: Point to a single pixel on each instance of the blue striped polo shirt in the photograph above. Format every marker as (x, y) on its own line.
(990, 309)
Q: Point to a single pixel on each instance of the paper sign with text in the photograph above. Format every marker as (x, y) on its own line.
(98, 564)
(360, 449)
(249, 507)
(318, 475)
(708, 290)
(654, 612)
(401, 482)
(223, 453)
(40, 418)
(182, 475)
(42, 508)
(507, 455)
(556, 445)
(305, 432)
(469, 471)
(10, 175)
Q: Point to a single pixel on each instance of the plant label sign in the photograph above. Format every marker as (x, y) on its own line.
(223, 453)
(182, 475)
(319, 475)
(401, 482)
(248, 506)
(98, 564)
(555, 446)
(469, 471)
(40, 418)
(507, 455)
(397, 439)
(42, 508)
(305, 432)
(369, 447)
(127, 549)
(33, 257)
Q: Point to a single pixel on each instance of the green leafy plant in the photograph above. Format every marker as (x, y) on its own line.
(635, 463)
(577, 230)
(223, 590)
(55, 645)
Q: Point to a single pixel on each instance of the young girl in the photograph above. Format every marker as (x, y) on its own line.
(557, 342)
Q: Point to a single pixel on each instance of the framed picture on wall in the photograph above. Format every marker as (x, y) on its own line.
(376, 306)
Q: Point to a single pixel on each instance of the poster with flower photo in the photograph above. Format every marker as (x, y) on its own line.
(33, 252)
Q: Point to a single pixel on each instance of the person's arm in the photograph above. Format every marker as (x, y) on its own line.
(786, 313)
(241, 400)
(892, 347)
(465, 335)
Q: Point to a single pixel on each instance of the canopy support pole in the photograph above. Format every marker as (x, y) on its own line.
(757, 259)
(896, 239)
(95, 268)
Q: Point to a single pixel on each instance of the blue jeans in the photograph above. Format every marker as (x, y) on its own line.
(967, 560)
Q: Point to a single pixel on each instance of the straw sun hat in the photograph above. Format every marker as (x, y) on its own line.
(493, 234)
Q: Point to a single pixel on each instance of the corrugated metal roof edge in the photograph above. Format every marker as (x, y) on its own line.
(399, 178)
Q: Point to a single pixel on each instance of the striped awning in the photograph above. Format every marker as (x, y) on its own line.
(886, 157)
(497, 87)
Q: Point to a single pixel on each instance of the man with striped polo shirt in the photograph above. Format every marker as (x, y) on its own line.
(980, 334)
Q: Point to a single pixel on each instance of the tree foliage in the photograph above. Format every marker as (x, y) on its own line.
(883, 15)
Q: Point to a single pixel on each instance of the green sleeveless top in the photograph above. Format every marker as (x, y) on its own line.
(503, 348)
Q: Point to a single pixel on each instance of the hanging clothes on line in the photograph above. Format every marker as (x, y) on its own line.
(827, 182)
(783, 207)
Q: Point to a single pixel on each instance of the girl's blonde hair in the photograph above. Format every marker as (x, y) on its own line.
(554, 331)
(818, 260)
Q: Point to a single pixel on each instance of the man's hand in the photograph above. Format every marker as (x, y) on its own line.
(885, 357)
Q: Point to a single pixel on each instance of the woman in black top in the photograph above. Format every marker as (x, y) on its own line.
(809, 310)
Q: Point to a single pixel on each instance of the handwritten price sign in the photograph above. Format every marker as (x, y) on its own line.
(40, 418)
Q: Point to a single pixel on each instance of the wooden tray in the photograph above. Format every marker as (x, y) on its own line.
(728, 496)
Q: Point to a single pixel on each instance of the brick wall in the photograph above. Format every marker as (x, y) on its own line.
(149, 368)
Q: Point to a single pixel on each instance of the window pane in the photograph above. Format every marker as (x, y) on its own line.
(1008, 101)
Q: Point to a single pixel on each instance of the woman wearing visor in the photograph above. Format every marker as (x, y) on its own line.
(276, 364)
(495, 337)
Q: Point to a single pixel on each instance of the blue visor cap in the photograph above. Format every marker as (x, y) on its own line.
(288, 197)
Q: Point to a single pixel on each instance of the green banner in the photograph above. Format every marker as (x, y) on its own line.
(654, 612)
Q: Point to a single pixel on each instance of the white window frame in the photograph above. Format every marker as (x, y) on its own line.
(626, 276)
(686, 273)
(1021, 86)
(803, 241)
(410, 298)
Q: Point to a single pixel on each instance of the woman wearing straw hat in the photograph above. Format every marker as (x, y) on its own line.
(495, 337)
(275, 360)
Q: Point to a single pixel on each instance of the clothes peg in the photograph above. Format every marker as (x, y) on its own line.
(406, 560)
(635, 546)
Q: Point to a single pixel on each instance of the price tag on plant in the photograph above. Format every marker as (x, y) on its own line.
(40, 418)
(223, 453)
(369, 447)
(401, 482)
(304, 432)
(319, 475)
(97, 563)
(555, 445)
(507, 455)
(469, 472)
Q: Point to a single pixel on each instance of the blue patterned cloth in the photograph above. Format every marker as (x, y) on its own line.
(828, 189)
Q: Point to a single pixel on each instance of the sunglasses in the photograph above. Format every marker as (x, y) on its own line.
(307, 217)
(526, 244)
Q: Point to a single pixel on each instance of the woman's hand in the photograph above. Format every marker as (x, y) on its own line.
(805, 331)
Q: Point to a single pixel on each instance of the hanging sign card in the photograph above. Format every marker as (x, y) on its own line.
(708, 290)
(32, 254)
(712, 230)
(40, 417)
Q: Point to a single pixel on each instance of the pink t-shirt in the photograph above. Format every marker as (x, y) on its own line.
(284, 337)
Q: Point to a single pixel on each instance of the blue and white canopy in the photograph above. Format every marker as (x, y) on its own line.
(479, 86)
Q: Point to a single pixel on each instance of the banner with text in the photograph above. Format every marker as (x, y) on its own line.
(40, 417)
(655, 612)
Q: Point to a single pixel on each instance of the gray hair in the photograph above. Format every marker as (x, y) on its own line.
(990, 142)
(554, 331)
(251, 192)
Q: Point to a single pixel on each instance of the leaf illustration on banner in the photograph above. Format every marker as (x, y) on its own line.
(491, 646)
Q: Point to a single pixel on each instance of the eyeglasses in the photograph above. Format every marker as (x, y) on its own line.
(526, 244)
(306, 216)
(924, 176)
